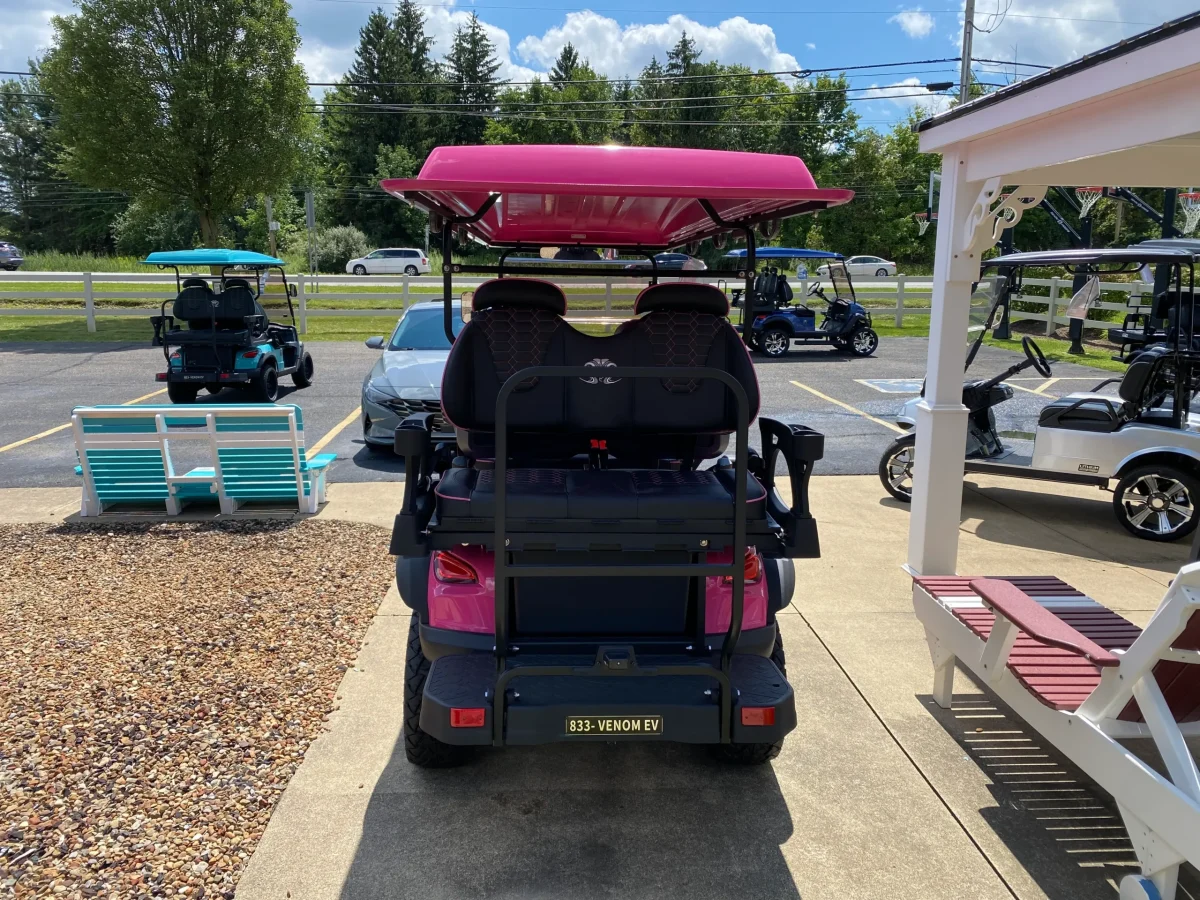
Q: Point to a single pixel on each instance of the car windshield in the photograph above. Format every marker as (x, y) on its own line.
(422, 329)
(841, 281)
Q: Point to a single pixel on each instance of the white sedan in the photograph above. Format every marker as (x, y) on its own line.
(390, 261)
(866, 265)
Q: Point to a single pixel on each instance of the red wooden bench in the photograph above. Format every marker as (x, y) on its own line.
(1084, 676)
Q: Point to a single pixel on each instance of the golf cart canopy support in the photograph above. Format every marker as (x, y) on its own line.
(1000, 154)
(784, 253)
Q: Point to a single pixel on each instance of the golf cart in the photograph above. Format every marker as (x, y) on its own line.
(1151, 324)
(223, 338)
(775, 322)
(590, 565)
(1143, 436)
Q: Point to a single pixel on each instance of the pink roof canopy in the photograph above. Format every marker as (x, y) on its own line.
(647, 197)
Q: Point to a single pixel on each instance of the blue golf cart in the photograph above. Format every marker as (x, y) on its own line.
(774, 321)
(214, 339)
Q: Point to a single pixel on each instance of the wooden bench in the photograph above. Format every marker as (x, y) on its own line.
(256, 453)
(1085, 677)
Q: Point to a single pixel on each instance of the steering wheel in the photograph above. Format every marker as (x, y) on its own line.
(1034, 354)
(814, 289)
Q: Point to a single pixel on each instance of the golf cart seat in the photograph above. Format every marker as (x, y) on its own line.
(1097, 412)
(635, 424)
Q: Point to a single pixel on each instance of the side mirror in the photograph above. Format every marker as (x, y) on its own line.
(467, 302)
(375, 343)
(291, 289)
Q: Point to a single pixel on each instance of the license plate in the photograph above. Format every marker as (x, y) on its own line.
(614, 726)
(193, 377)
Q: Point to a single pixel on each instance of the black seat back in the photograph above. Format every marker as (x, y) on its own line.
(194, 305)
(1137, 378)
(517, 323)
(235, 303)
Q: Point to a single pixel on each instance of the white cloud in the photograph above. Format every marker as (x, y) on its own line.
(913, 22)
(811, 46)
(322, 62)
(616, 51)
(442, 21)
(908, 93)
(27, 32)
(1053, 32)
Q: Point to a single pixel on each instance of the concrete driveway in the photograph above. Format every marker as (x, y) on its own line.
(878, 794)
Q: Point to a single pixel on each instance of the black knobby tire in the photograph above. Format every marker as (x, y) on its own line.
(303, 376)
(757, 754)
(775, 342)
(182, 393)
(898, 459)
(411, 270)
(420, 748)
(264, 387)
(754, 342)
(1139, 489)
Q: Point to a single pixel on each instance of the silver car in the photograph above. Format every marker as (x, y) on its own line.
(10, 257)
(407, 377)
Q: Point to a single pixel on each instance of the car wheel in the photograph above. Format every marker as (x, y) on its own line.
(896, 467)
(881, 273)
(776, 342)
(864, 342)
(840, 344)
(303, 376)
(182, 393)
(264, 388)
(360, 270)
(754, 341)
(421, 748)
(1157, 502)
(411, 270)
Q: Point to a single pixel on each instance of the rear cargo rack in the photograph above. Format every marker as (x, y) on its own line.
(737, 541)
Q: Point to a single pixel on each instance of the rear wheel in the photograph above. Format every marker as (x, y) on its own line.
(896, 467)
(864, 341)
(423, 749)
(303, 376)
(881, 273)
(754, 341)
(776, 342)
(182, 393)
(264, 387)
(410, 270)
(1157, 502)
(756, 754)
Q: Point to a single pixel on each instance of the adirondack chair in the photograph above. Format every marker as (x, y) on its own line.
(1084, 677)
(257, 453)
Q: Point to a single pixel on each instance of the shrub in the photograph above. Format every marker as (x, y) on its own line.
(338, 245)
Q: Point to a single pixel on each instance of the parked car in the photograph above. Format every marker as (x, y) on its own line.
(667, 261)
(390, 261)
(865, 265)
(10, 257)
(407, 377)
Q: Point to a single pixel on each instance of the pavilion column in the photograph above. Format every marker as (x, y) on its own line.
(941, 417)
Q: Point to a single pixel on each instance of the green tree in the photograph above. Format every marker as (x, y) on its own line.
(565, 66)
(199, 102)
(471, 67)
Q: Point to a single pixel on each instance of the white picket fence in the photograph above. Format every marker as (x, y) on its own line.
(92, 288)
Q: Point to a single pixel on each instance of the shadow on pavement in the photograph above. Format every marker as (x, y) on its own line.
(590, 820)
(376, 460)
(1059, 825)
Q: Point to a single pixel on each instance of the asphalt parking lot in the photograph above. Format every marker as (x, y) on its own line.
(852, 401)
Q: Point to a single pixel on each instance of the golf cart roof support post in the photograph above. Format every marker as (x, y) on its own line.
(736, 569)
(448, 225)
(747, 229)
(653, 268)
(286, 293)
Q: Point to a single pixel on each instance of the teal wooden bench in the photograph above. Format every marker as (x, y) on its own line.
(257, 453)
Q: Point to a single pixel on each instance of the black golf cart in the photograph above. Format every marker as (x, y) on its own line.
(224, 338)
(586, 563)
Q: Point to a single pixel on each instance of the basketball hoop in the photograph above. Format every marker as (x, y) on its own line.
(1191, 210)
(1087, 197)
(924, 219)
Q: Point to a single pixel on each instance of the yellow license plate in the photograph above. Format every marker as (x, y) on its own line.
(614, 726)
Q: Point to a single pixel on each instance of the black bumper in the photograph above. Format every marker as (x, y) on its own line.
(577, 698)
(174, 377)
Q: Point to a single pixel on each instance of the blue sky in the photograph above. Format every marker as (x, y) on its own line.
(620, 36)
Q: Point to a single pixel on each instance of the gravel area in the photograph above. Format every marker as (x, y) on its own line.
(161, 683)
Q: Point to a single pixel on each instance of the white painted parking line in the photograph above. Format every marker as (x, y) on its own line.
(853, 409)
(57, 428)
(336, 430)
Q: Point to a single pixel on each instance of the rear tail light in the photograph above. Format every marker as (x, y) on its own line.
(760, 318)
(449, 569)
(424, 261)
(752, 568)
(758, 715)
(474, 717)
(175, 354)
(160, 376)
(250, 354)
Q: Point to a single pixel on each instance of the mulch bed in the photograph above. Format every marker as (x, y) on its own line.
(160, 685)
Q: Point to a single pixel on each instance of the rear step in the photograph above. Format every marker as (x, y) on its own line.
(613, 696)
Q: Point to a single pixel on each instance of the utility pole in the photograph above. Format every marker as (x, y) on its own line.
(964, 77)
(272, 225)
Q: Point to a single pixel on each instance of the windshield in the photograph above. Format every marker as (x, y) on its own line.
(841, 281)
(422, 329)
(985, 312)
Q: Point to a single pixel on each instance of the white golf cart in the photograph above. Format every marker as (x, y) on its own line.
(1143, 436)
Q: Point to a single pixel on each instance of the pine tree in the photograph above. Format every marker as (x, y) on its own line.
(471, 68)
(565, 66)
